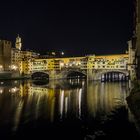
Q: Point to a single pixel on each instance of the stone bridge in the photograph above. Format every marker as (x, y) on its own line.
(93, 67)
(90, 74)
(60, 74)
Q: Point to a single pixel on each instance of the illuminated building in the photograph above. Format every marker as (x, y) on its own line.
(16, 56)
(55, 63)
(21, 57)
(54, 66)
(16, 52)
(38, 64)
(110, 61)
(18, 43)
(89, 62)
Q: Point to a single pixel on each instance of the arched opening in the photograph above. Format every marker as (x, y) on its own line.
(40, 76)
(76, 75)
(114, 77)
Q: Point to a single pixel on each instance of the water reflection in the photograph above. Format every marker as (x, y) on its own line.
(23, 102)
(102, 98)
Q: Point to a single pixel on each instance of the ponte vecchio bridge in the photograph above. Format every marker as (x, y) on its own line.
(101, 67)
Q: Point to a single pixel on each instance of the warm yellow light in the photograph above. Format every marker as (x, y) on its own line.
(53, 53)
(62, 64)
(13, 90)
(1, 91)
(14, 67)
(1, 67)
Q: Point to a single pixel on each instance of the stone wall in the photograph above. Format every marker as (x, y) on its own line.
(5, 54)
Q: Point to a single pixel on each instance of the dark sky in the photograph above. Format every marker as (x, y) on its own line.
(75, 27)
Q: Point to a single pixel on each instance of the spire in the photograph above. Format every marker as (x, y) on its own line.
(18, 43)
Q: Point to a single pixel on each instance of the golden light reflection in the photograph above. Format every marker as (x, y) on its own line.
(13, 90)
(1, 90)
(18, 114)
(60, 100)
(102, 98)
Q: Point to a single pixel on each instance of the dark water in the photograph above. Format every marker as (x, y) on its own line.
(73, 109)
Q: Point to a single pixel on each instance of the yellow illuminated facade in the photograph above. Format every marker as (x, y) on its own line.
(71, 62)
(20, 58)
(57, 64)
(119, 61)
(111, 62)
(38, 64)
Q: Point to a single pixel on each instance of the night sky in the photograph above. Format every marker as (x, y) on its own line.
(75, 27)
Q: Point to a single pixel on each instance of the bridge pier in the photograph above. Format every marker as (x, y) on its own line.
(91, 74)
(56, 75)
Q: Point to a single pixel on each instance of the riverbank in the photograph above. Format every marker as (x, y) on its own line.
(133, 101)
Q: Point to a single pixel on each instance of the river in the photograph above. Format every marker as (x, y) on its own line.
(65, 109)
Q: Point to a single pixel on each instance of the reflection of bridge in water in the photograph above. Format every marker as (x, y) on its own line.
(60, 99)
(59, 84)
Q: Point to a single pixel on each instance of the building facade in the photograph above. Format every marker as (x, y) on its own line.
(21, 59)
(16, 53)
(5, 54)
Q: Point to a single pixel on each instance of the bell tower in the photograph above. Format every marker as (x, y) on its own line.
(18, 43)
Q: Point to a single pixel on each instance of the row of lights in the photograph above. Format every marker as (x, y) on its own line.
(70, 64)
(11, 90)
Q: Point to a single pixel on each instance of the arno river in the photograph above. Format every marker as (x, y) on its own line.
(65, 109)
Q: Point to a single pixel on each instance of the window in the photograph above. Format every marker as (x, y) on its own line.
(121, 66)
(103, 62)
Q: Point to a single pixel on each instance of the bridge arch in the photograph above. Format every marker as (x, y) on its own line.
(40, 76)
(74, 74)
(112, 75)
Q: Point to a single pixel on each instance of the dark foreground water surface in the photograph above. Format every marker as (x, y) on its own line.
(68, 109)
